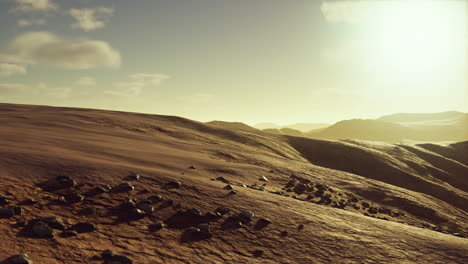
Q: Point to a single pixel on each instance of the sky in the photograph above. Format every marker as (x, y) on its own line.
(237, 60)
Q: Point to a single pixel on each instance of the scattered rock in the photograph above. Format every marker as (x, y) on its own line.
(372, 210)
(156, 226)
(111, 257)
(222, 210)
(6, 212)
(19, 259)
(134, 176)
(123, 187)
(69, 233)
(300, 227)
(174, 184)
(291, 184)
(262, 223)
(365, 204)
(60, 182)
(228, 187)
(155, 199)
(232, 193)
(52, 221)
(133, 214)
(263, 178)
(192, 167)
(222, 179)
(145, 207)
(197, 233)
(246, 216)
(71, 198)
(29, 201)
(300, 188)
(42, 230)
(83, 227)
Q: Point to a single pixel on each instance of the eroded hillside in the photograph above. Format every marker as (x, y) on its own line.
(206, 194)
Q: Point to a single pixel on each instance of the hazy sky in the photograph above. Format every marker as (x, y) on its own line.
(237, 60)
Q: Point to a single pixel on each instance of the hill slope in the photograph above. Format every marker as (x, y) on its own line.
(328, 201)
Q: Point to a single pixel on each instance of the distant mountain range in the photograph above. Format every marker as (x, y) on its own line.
(401, 127)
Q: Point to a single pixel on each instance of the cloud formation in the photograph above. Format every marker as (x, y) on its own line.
(86, 81)
(90, 19)
(47, 48)
(137, 83)
(349, 11)
(30, 22)
(11, 88)
(34, 5)
(7, 69)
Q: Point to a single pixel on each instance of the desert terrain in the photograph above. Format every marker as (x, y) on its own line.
(76, 183)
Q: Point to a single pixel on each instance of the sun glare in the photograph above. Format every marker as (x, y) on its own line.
(418, 42)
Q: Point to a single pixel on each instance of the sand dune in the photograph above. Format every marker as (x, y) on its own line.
(325, 201)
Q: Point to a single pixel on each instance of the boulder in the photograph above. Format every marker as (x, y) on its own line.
(300, 188)
(83, 227)
(42, 230)
(19, 259)
(6, 212)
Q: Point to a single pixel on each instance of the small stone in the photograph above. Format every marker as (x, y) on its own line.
(365, 204)
(53, 221)
(222, 179)
(72, 198)
(6, 212)
(83, 227)
(222, 210)
(262, 223)
(194, 212)
(291, 184)
(134, 176)
(196, 234)
(156, 226)
(146, 207)
(300, 227)
(155, 199)
(19, 259)
(246, 216)
(263, 178)
(372, 210)
(300, 188)
(123, 187)
(174, 184)
(228, 187)
(106, 254)
(192, 167)
(42, 230)
(133, 214)
(69, 233)
(28, 201)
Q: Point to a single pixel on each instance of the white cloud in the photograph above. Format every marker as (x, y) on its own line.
(86, 81)
(7, 69)
(11, 88)
(30, 22)
(90, 19)
(47, 48)
(137, 83)
(34, 5)
(149, 78)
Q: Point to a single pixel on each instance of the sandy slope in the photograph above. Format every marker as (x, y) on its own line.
(419, 191)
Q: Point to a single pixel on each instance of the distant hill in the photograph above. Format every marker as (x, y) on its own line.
(446, 126)
(303, 127)
(232, 125)
(284, 131)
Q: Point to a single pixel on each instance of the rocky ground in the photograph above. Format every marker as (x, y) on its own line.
(90, 186)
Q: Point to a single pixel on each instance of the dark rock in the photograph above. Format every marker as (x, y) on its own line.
(6, 212)
(111, 257)
(320, 186)
(133, 214)
(106, 254)
(262, 223)
(88, 211)
(69, 233)
(196, 234)
(228, 187)
(60, 182)
(383, 210)
(123, 187)
(185, 218)
(28, 202)
(174, 184)
(300, 188)
(146, 207)
(42, 230)
(134, 176)
(319, 193)
(192, 167)
(246, 216)
(232, 193)
(222, 210)
(156, 226)
(291, 184)
(167, 203)
(72, 198)
(300, 227)
(4, 200)
(83, 227)
(353, 200)
(233, 222)
(222, 179)
(263, 178)
(365, 204)
(155, 199)
(19, 259)
(52, 221)
(372, 210)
